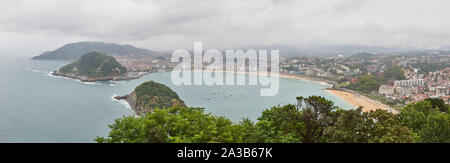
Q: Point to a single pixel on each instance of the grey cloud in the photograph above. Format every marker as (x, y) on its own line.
(230, 23)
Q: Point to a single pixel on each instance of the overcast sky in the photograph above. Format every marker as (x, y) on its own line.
(34, 26)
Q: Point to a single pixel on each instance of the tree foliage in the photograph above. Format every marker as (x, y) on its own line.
(438, 103)
(432, 125)
(174, 125)
(311, 120)
(394, 73)
(155, 95)
(95, 65)
(366, 83)
(425, 67)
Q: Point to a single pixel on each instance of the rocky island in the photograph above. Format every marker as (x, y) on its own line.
(137, 61)
(151, 95)
(94, 66)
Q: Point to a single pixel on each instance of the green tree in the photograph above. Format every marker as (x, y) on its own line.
(315, 117)
(304, 122)
(311, 120)
(245, 131)
(432, 125)
(385, 127)
(436, 129)
(429, 67)
(355, 126)
(129, 130)
(279, 125)
(394, 73)
(349, 128)
(366, 83)
(438, 103)
(174, 125)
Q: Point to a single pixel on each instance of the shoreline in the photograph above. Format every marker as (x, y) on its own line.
(127, 99)
(283, 75)
(130, 102)
(55, 73)
(351, 98)
(358, 100)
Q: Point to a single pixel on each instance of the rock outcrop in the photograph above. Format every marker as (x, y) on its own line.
(151, 95)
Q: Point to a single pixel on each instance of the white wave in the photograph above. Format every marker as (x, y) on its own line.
(89, 83)
(123, 102)
(59, 77)
(37, 71)
(79, 81)
(325, 84)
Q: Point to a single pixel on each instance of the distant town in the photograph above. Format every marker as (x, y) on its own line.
(390, 78)
(394, 79)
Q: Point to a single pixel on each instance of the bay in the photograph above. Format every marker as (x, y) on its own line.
(38, 107)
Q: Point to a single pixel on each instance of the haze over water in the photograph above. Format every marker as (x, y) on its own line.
(37, 107)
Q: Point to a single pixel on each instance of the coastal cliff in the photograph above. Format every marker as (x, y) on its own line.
(151, 95)
(94, 66)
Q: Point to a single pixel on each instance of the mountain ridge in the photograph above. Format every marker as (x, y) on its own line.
(74, 51)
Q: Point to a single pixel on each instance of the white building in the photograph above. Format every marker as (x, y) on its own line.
(441, 91)
(409, 83)
(386, 90)
(405, 90)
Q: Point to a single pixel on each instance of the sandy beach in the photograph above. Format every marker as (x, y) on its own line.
(359, 100)
(290, 76)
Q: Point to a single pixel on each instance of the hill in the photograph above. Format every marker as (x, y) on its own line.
(363, 56)
(93, 66)
(329, 50)
(151, 95)
(74, 51)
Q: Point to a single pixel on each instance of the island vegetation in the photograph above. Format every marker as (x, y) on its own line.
(93, 66)
(312, 120)
(151, 95)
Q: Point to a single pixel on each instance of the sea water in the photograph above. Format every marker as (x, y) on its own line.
(38, 107)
